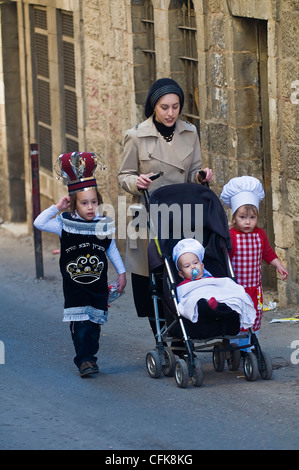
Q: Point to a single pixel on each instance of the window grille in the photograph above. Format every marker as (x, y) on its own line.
(70, 102)
(43, 102)
(45, 146)
(41, 81)
(190, 62)
(68, 74)
(149, 52)
(142, 14)
(40, 18)
(41, 50)
(71, 145)
(67, 24)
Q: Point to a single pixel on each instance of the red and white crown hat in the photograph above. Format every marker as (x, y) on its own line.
(78, 168)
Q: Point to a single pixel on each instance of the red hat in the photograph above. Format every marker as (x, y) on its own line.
(78, 168)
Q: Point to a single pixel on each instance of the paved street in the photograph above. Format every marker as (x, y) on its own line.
(46, 405)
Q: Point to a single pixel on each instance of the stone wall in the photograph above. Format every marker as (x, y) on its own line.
(108, 85)
(286, 148)
(248, 87)
(12, 188)
(248, 77)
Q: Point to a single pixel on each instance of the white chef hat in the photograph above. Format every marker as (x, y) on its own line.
(242, 190)
(188, 245)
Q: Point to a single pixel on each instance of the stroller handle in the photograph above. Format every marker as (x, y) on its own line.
(202, 176)
(154, 176)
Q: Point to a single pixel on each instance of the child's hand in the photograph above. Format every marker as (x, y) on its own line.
(63, 204)
(121, 282)
(282, 271)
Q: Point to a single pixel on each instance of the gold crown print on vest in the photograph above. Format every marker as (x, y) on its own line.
(86, 269)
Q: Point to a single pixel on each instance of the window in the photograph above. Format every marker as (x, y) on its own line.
(183, 55)
(190, 62)
(143, 48)
(68, 79)
(41, 81)
(149, 52)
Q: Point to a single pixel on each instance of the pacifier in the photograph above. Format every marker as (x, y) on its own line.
(194, 273)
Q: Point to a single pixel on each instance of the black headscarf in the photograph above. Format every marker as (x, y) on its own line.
(162, 87)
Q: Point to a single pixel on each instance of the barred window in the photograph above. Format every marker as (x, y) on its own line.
(143, 48)
(149, 52)
(190, 62)
(41, 83)
(183, 55)
(68, 78)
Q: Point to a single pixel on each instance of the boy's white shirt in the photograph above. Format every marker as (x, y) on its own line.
(47, 222)
(224, 289)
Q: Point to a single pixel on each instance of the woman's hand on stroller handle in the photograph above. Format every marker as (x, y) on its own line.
(154, 176)
(205, 176)
(143, 181)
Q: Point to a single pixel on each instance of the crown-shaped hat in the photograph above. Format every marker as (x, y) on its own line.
(78, 168)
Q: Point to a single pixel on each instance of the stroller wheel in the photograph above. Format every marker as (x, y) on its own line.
(153, 364)
(197, 378)
(234, 357)
(181, 373)
(250, 366)
(170, 361)
(218, 357)
(266, 369)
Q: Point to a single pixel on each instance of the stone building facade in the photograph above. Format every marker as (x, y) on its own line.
(74, 76)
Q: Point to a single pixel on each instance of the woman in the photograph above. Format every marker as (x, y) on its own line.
(162, 144)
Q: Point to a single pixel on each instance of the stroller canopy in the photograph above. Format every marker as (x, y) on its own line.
(190, 210)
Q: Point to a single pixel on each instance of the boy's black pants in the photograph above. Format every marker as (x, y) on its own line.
(85, 336)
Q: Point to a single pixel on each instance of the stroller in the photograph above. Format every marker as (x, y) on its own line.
(182, 211)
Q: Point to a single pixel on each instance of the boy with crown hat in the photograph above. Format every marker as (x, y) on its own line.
(85, 240)
(250, 243)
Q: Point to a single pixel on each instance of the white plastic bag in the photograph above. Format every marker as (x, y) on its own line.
(113, 293)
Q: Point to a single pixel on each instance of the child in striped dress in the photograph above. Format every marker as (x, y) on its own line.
(250, 244)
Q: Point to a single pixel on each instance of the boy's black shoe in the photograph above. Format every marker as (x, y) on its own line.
(87, 368)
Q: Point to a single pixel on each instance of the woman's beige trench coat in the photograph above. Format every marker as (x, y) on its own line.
(146, 151)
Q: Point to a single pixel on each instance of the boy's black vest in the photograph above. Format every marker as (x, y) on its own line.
(83, 262)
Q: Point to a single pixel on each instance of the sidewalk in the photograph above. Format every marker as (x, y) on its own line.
(46, 405)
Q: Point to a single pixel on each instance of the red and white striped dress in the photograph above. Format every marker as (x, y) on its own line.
(248, 251)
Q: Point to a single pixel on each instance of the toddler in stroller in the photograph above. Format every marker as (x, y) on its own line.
(185, 336)
(214, 306)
